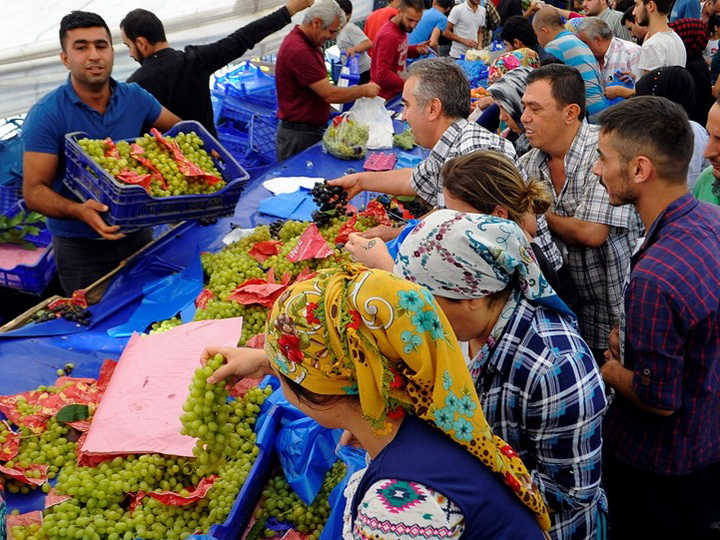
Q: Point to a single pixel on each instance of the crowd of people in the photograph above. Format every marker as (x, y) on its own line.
(539, 355)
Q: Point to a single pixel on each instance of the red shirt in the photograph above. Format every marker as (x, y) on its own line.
(390, 59)
(376, 20)
(299, 64)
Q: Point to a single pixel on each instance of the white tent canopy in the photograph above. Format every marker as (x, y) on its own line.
(29, 62)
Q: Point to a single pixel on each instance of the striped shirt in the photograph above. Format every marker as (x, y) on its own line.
(573, 52)
(542, 392)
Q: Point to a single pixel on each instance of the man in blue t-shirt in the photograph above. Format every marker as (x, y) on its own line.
(86, 248)
(432, 24)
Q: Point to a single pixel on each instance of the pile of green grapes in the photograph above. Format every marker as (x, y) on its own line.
(233, 265)
(52, 447)
(111, 501)
(282, 503)
(175, 182)
(163, 326)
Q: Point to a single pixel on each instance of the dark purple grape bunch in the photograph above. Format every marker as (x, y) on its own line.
(331, 202)
(275, 228)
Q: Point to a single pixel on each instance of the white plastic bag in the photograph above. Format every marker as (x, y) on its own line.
(372, 112)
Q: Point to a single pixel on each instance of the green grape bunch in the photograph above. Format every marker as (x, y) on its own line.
(99, 507)
(282, 503)
(176, 183)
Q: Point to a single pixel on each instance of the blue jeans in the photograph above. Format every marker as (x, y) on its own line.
(82, 261)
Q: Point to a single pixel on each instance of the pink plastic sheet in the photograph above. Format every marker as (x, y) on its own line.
(140, 411)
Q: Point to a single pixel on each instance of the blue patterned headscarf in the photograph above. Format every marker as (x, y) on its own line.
(464, 256)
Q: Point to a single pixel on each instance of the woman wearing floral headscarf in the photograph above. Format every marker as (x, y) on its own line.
(366, 351)
(538, 383)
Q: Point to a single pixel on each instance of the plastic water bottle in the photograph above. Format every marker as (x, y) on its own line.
(354, 64)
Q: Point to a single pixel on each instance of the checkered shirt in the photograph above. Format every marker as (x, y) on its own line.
(623, 56)
(462, 137)
(542, 392)
(598, 272)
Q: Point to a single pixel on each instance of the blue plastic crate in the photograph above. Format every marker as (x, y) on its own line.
(11, 151)
(267, 98)
(31, 279)
(258, 122)
(250, 83)
(238, 144)
(131, 207)
(10, 194)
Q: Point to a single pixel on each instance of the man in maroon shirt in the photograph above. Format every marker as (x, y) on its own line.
(391, 49)
(303, 89)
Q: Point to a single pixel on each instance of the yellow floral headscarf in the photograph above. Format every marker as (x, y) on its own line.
(369, 333)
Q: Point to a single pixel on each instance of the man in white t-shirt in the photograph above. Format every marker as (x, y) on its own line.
(352, 40)
(464, 27)
(662, 46)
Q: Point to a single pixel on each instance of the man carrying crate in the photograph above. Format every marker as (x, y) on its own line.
(86, 248)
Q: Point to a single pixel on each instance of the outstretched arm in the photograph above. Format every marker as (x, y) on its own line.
(219, 54)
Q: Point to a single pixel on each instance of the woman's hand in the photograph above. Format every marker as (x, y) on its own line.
(372, 252)
(240, 362)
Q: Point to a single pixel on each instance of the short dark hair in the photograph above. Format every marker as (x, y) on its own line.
(655, 127)
(566, 84)
(628, 16)
(445, 4)
(143, 23)
(80, 19)
(417, 5)
(442, 78)
(518, 27)
(346, 6)
(663, 6)
(624, 5)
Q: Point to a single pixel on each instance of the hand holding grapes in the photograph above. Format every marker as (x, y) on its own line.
(240, 362)
(351, 184)
(89, 212)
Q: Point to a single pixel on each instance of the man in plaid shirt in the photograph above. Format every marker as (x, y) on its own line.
(662, 431)
(596, 239)
(436, 100)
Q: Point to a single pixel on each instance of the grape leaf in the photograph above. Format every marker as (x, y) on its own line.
(72, 413)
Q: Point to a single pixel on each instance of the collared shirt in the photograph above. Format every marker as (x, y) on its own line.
(622, 56)
(541, 391)
(598, 272)
(300, 63)
(573, 52)
(613, 19)
(672, 344)
(130, 112)
(462, 137)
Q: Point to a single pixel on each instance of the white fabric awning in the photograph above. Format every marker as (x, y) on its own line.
(30, 66)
